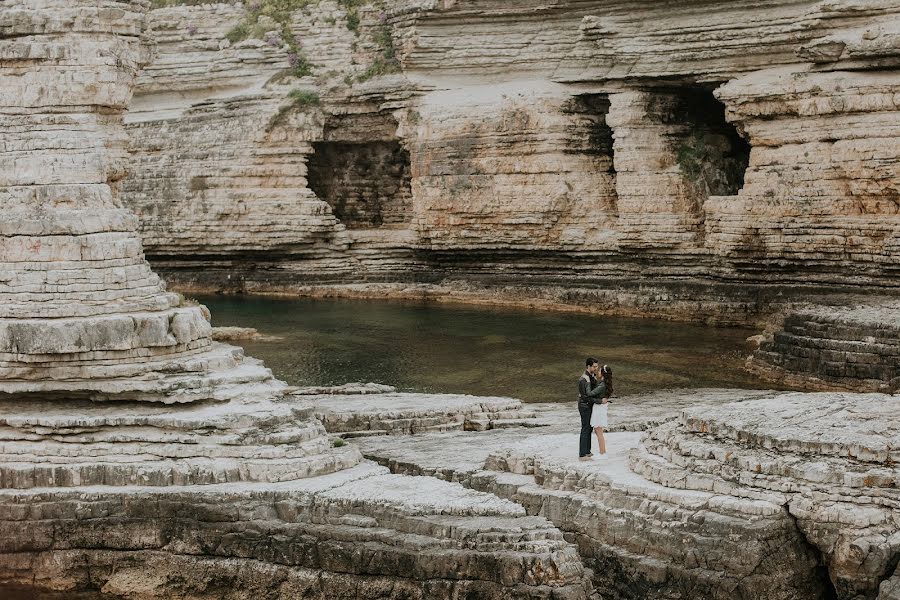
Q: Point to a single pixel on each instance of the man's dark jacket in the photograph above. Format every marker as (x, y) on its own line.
(590, 391)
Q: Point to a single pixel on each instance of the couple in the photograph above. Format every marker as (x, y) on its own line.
(594, 390)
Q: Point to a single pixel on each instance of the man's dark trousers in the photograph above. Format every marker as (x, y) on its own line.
(584, 440)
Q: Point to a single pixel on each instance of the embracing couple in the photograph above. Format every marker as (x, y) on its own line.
(594, 390)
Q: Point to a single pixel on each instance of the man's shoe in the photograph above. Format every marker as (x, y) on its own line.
(585, 458)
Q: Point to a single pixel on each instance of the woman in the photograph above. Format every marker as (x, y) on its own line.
(599, 417)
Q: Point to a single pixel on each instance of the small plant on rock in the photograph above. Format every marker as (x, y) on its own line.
(299, 99)
(705, 160)
(386, 61)
(281, 12)
(352, 9)
(304, 98)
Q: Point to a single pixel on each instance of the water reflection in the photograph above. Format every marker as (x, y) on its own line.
(535, 356)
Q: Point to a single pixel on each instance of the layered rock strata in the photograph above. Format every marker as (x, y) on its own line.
(830, 457)
(405, 414)
(230, 146)
(350, 534)
(710, 163)
(565, 142)
(138, 458)
(855, 348)
(784, 495)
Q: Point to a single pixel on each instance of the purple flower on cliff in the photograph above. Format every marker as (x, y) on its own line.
(191, 29)
(273, 41)
(382, 17)
(255, 5)
(293, 59)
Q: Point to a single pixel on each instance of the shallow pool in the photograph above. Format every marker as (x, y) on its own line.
(535, 356)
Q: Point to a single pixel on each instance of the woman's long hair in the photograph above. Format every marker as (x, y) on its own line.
(608, 379)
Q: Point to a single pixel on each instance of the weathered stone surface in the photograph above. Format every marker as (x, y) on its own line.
(779, 495)
(344, 389)
(197, 475)
(890, 588)
(832, 454)
(82, 314)
(399, 414)
(587, 153)
(222, 150)
(324, 537)
(251, 438)
(855, 348)
(224, 334)
(554, 141)
(616, 157)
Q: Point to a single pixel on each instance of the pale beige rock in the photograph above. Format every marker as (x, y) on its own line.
(835, 347)
(197, 458)
(388, 413)
(801, 489)
(617, 157)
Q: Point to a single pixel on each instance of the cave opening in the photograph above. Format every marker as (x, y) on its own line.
(364, 177)
(710, 152)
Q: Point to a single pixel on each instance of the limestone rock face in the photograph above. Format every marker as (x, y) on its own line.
(533, 172)
(577, 141)
(237, 168)
(835, 347)
(386, 413)
(82, 314)
(830, 454)
(138, 458)
(617, 156)
(234, 154)
(890, 588)
(777, 495)
(336, 536)
(821, 189)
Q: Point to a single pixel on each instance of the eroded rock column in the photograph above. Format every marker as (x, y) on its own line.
(673, 150)
(657, 212)
(519, 167)
(821, 195)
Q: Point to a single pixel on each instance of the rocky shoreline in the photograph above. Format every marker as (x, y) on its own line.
(142, 459)
(718, 493)
(726, 493)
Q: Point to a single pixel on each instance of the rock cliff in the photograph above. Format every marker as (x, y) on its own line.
(718, 162)
(140, 459)
(568, 141)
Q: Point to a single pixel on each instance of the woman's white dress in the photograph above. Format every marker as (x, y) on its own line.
(599, 417)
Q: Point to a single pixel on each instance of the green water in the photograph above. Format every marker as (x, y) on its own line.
(535, 356)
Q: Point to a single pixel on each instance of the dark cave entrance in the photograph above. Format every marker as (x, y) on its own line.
(366, 181)
(709, 151)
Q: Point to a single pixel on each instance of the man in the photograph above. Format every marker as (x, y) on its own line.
(588, 389)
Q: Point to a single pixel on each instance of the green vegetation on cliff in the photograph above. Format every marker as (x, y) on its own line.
(255, 25)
